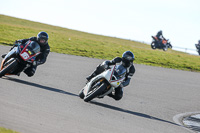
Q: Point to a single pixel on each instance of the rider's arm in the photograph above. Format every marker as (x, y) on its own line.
(23, 41)
(115, 60)
(129, 76)
(197, 46)
(17, 42)
(107, 63)
(163, 37)
(43, 56)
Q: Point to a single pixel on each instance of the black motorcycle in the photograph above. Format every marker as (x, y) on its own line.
(20, 58)
(157, 45)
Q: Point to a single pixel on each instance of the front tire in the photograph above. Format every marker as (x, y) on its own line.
(95, 92)
(165, 48)
(81, 95)
(7, 68)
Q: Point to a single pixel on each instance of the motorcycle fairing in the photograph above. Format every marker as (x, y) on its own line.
(108, 74)
(26, 54)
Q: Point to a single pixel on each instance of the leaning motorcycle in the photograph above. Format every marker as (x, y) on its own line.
(104, 83)
(155, 44)
(20, 58)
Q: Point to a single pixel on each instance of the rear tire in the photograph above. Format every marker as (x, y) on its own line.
(95, 92)
(9, 67)
(153, 45)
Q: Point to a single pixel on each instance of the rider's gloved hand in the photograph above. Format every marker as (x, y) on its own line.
(18, 42)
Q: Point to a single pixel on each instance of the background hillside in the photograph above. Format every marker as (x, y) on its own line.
(67, 41)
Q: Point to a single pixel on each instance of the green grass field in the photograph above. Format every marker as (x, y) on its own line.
(4, 130)
(67, 41)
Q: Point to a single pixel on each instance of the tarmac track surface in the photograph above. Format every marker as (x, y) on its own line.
(48, 102)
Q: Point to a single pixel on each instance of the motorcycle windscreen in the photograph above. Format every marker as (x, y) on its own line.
(119, 72)
(33, 48)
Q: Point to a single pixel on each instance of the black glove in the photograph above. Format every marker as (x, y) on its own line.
(18, 41)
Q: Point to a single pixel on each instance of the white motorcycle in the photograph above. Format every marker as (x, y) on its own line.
(104, 83)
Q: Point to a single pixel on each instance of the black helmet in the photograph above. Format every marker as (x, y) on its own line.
(42, 38)
(127, 58)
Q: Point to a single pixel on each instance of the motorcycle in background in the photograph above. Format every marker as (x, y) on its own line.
(20, 58)
(104, 83)
(163, 45)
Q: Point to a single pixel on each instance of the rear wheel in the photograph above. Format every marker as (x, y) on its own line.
(95, 92)
(153, 45)
(6, 69)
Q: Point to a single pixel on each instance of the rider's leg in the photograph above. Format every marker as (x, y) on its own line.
(30, 71)
(98, 70)
(118, 93)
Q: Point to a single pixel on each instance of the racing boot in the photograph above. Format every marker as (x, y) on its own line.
(98, 70)
(111, 95)
(91, 76)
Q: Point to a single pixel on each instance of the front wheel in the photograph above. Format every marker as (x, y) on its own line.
(95, 92)
(9, 67)
(81, 95)
(165, 48)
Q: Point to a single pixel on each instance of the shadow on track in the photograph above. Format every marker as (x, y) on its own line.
(39, 86)
(131, 112)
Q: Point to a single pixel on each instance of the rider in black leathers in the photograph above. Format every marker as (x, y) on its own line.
(127, 61)
(198, 47)
(42, 40)
(160, 37)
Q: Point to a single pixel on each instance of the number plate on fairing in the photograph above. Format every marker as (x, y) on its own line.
(25, 55)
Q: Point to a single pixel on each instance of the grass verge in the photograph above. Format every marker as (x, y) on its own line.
(67, 41)
(4, 130)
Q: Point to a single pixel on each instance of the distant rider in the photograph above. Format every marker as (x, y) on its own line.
(198, 47)
(127, 61)
(42, 40)
(160, 37)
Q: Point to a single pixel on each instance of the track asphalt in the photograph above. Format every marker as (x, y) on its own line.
(48, 102)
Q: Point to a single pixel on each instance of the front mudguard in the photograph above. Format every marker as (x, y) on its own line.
(95, 92)
(7, 69)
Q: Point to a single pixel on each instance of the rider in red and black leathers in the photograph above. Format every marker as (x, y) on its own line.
(127, 61)
(42, 40)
